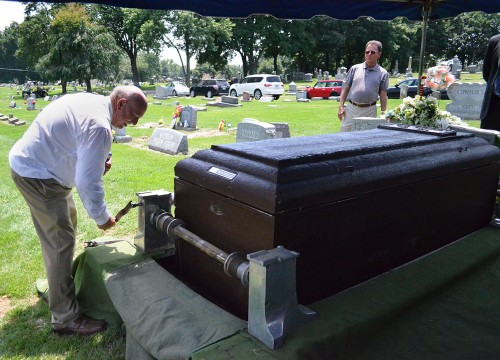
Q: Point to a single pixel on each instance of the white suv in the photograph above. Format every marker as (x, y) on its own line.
(259, 85)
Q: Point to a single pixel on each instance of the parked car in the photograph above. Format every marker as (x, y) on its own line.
(39, 92)
(176, 88)
(325, 89)
(393, 92)
(259, 85)
(210, 88)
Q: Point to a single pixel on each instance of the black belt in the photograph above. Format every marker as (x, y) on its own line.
(361, 104)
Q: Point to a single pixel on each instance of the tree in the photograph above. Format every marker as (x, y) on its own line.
(195, 35)
(247, 41)
(301, 47)
(170, 69)
(148, 65)
(329, 40)
(78, 49)
(468, 35)
(33, 34)
(276, 38)
(134, 30)
(12, 66)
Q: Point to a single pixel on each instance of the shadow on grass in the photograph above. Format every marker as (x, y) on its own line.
(25, 331)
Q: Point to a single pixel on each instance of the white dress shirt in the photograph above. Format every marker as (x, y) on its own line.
(69, 142)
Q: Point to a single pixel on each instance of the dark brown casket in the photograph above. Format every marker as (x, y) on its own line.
(354, 205)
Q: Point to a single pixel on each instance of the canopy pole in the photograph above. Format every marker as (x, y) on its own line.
(425, 14)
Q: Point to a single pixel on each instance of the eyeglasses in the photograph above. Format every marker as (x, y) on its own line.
(370, 52)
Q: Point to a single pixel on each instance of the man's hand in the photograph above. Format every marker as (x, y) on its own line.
(107, 165)
(341, 112)
(108, 224)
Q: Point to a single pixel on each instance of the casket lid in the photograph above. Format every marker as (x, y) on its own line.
(300, 172)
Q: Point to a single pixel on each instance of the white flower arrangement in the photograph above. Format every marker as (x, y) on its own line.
(423, 112)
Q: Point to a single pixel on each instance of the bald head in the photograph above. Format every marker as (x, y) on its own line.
(129, 104)
(131, 93)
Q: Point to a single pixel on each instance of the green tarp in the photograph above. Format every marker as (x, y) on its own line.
(445, 305)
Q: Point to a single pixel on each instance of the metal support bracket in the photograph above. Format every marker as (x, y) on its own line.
(273, 310)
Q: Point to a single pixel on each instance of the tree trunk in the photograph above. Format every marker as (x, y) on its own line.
(327, 61)
(133, 66)
(188, 65)
(89, 85)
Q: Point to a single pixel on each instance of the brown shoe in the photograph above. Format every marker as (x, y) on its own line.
(83, 326)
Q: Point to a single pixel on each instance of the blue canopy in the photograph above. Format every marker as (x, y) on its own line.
(305, 9)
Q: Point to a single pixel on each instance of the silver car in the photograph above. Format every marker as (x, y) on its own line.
(176, 88)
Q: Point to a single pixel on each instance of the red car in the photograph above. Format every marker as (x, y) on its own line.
(325, 88)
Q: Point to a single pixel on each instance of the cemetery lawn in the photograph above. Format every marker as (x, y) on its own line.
(25, 331)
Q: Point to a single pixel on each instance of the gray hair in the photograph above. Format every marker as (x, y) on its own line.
(377, 43)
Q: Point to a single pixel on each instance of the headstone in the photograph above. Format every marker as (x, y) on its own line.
(326, 75)
(300, 95)
(54, 97)
(409, 72)
(472, 69)
(436, 94)
(308, 77)
(466, 99)
(292, 88)
(456, 65)
(189, 118)
(396, 67)
(492, 136)
(47, 98)
(480, 65)
(282, 130)
(31, 103)
(12, 104)
(341, 73)
(121, 135)
(228, 101)
(266, 98)
(403, 91)
(245, 97)
(168, 141)
(254, 130)
(300, 76)
(366, 123)
(161, 92)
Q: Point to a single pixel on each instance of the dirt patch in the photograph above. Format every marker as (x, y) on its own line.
(4, 306)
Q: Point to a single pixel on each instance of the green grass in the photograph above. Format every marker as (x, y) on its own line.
(25, 329)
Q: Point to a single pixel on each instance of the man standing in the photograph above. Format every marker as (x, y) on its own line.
(363, 85)
(66, 146)
(490, 111)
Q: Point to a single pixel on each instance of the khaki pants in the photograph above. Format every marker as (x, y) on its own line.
(353, 111)
(54, 215)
